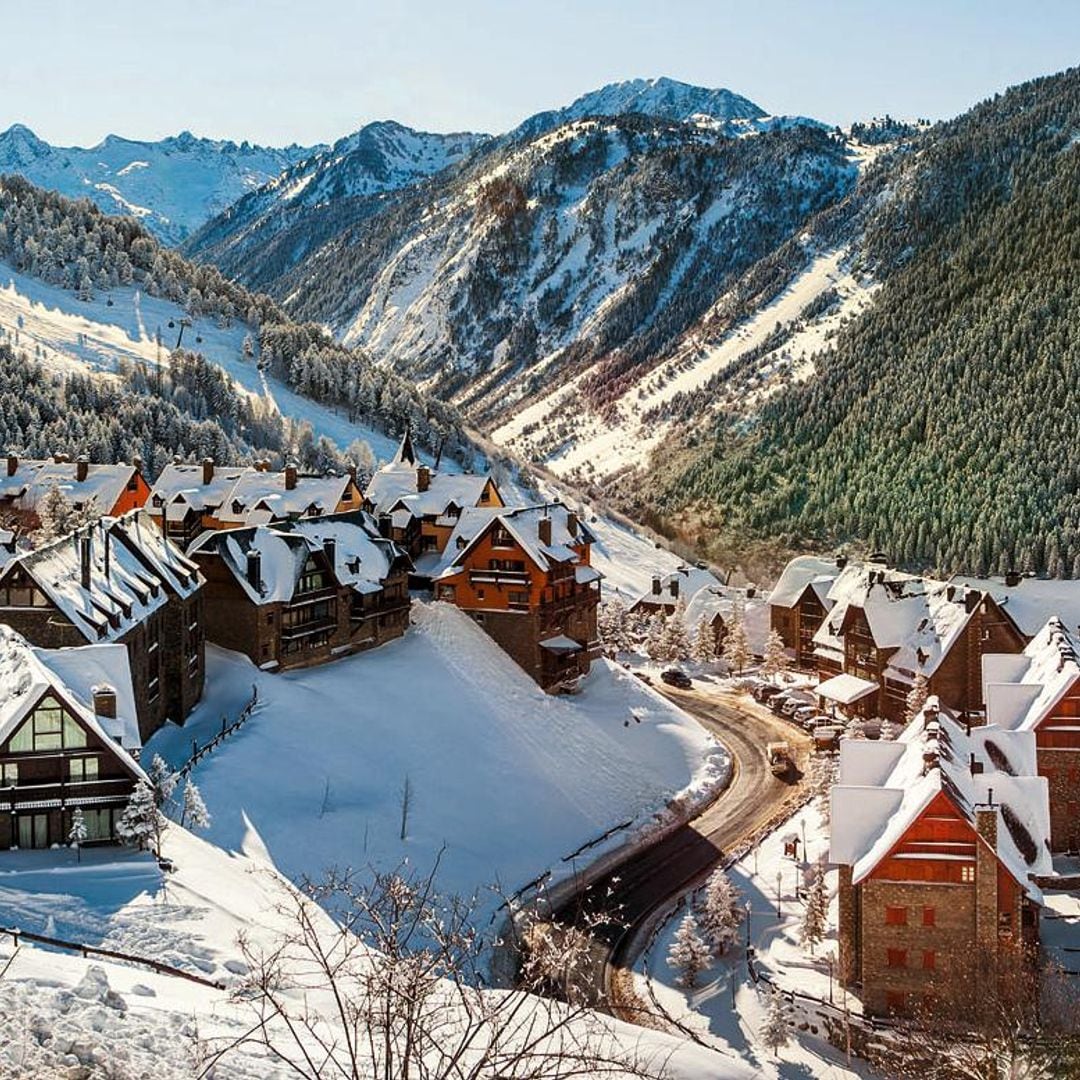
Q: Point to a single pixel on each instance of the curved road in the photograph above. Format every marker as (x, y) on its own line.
(634, 890)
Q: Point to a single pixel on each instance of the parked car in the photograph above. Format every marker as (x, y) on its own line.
(804, 713)
(675, 677)
(819, 720)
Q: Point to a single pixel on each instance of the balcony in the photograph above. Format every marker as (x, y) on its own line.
(301, 630)
(64, 793)
(508, 578)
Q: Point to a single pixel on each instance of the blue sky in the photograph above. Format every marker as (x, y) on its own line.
(277, 72)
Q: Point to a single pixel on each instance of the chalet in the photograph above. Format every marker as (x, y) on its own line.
(69, 739)
(799, 603)
(1039, 691)
(1030, 602)
(668, 589)
(187, 500)
(418, 507)
(939, 838)
(111, 489)
(298, 593)
(885, 627)
(524, 576)
(720, 604)
(117, 581)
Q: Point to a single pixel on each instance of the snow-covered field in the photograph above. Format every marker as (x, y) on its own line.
(509, 779)
(707, 1009)
(68, 334)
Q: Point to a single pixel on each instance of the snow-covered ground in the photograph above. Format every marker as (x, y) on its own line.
(68, 334)
(707, 1010)
(511, 780)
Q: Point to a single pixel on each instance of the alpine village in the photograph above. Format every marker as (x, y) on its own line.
(597, 600)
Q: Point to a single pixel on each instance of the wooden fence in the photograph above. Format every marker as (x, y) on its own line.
(199, 752)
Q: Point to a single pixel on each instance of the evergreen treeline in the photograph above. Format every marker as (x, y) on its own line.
(71, 243)
(942, 429)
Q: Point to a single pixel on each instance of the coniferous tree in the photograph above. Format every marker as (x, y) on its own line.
(689, 954)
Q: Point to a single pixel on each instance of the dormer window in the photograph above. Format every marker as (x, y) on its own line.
(237, 506)
(157, 501)
(500, 537)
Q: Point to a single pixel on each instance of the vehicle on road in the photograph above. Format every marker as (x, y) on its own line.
(677, 678)
(779, 754)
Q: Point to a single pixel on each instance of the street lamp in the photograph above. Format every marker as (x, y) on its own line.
(749, 916)
(829, 962)
(779, 877)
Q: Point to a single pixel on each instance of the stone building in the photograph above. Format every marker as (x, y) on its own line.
(69, 739)
(524, 576)
(188, 500)
(1039, 691)
(117, 580)
(939, 837)
(299, 593)
(111, 489)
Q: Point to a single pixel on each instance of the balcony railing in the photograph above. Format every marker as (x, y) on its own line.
(499, 577)
(291, 633)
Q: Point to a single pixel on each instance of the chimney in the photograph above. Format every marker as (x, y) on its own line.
(59, 458)
(986, 820)
(543, 530)
(82, 468)
(137, 463)
(971, 600)
(673, 587)
(751, 592)
(104, 701)
(571, 522)
(423, 478)
(106, 551)
(352, 474)
(386, 525)
(1012, 579)
(290, 476)
(254, 569)
(656, 585)
(207, 470)
(841, 562)
(329, 546)
(84, 560)
(12, 463)
(976, 766)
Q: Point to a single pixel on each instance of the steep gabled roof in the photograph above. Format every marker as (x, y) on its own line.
(27, 674)
(138, 532)
(258, 497)
(800, 572)
(32, 480)
(1031, 602)
(1021, 691)
(180, 479)
(884, 787)
(394, 487)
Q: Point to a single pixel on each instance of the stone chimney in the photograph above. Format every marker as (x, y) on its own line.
(290, 476)
(84, 560)
(1012, 579)
(571, 522)
(263, 465)
(975, 766)
(848, 967)
(329, 547)
(254, 569)
(59, 458)
(656, 585)
(841, 562)
(12, 463)
(82, 468)
(423, 478)
(986, 880)
(673, 586)
(104, 701)
(971, 600)
(543, 530)
(137, 463)
(207, 470)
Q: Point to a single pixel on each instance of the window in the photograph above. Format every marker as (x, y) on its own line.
(929, 916)
(480, 594)
(312, 579)
(500, 537)
(1004, 922)
(270, 619)
(447, 592)
(83, 770)
(513, 566)
(896, 916)
(98, 824)
(48, 728)
(896, 958)
(518, 599)
(929, 960)
(9, 774)
(967, 874)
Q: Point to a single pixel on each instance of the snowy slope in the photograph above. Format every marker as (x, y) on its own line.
(68, 334)
(510, 779)
(172, 186)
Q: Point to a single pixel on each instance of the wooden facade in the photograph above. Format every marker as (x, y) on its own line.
(1057, 740)
(797, 626)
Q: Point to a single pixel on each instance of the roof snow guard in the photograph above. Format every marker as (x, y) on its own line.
(847, 689)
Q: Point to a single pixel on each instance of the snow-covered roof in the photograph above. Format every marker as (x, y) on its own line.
(243, 495)
(362, 558)
(395, 487)
(1020, 691)
(31, 480)
(26, 674)
(918, 618)
(683, 582)
(721, 600)
(801, 571)
(1032, 601)
(846, 689)
(884, 786)
(523, 524)
(123, 587)
(137, 530)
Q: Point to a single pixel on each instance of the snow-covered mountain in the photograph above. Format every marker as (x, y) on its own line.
(172, 186)
(293, 213)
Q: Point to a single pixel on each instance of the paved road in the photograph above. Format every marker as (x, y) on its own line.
(649, 878)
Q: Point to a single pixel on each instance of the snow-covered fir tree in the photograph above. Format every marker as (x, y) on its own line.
(58, 516)
(656, 638)
(775, 660)
(704, 647)
(816, 914)
(77, 834)
(776, 1029)
(194, 814)
(736, 644)
(675, 642)
(162, 779)
(889, 729)
(689, 954)
(140, 823)
(823, 771)
(719, 912)
(916, 699)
